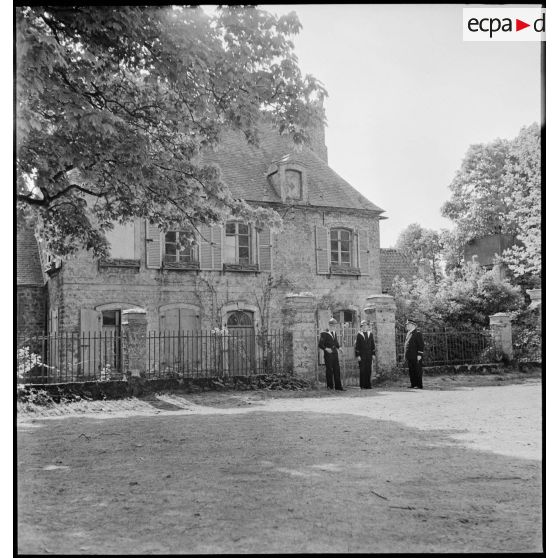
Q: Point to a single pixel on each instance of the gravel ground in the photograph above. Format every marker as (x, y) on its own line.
(452, 468)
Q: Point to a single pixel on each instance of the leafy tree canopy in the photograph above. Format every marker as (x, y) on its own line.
(465, 297)
(421, 246)
(498, 190)
(116, 104)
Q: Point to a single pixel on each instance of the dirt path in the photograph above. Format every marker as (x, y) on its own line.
(382, 471)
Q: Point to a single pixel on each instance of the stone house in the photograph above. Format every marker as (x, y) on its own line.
(486, 250)
(233, 274)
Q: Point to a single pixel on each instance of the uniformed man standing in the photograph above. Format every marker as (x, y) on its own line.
(330, 346)
(364, 353)
(414, 348)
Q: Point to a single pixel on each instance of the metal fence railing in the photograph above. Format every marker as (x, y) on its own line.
(215, 353)
(69, 357)
(64, 357)
(451, 346)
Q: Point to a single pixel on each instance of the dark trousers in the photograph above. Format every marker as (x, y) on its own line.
(365, 366)
(333, 373)
(415, 372)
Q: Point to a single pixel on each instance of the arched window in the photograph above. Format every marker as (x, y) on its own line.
(342, 241)
(240, 318)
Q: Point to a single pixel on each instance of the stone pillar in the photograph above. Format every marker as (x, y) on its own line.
(134, 342)
(380, 310)
(299, 318)
(535, 296)
(500, 327)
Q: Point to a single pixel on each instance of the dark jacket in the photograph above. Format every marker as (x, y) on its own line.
(328, 339)
(364, 347)
(414, 345)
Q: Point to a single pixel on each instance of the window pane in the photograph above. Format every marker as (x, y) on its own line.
(345, 257)
(230, 229)
(109, 317)
(244, 254)
(345, 235)
(333, 235)
(243, 240)
(345, 246)
(242, 229)
(229, 254)
(335, 257)
(170, 249)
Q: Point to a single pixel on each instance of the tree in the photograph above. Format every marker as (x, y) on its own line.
(422, 247)
(498, 190)
(523, 179)
(115, 106)
(465, 297)
(479, 200)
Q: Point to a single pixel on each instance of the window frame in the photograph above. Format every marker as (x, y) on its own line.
(338, 262)
(237, 246)
(192, 248)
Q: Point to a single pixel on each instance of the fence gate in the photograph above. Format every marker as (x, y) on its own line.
(241, 343)
(348, 365)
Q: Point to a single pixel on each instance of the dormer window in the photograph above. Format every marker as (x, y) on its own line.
(288, 179)
(293, 184)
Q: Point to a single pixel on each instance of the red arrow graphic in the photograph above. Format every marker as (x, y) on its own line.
(519, 25)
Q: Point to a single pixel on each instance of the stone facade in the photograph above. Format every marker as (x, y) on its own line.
(31, 309)
(84, 283)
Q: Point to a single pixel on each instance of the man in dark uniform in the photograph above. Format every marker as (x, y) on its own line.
(414, 348)
(364, 353)
(330, 346)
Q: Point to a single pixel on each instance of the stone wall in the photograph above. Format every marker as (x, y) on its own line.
(82, 283)
(31, 307)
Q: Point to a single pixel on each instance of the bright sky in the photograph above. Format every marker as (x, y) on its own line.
(407, 96)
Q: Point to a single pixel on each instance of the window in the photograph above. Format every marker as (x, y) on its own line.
(346, 317)
(179, 248)
(237, 244)
(293, 184)
(121, 239)
(341, 247)
(111, 318)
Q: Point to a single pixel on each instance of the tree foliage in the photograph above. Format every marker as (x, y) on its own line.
(115, 106)
(498, 190)
(423, 247)
(523, 180)
(465, 297)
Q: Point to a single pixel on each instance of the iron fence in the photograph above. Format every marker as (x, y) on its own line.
(69, 357)
(64, 357)
(215, 353)
(451, 346)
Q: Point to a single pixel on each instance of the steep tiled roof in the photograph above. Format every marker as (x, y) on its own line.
(244, 169)
(28, 263)
(394, 264)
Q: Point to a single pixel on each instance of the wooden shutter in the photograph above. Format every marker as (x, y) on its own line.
(264, 249)
(216, 234)
(53, 339)
(210, 248)
(323, 253)
(363, 252)
(153, 246)
(90, 325)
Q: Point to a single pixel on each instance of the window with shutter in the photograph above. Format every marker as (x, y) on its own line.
(152, 246)
(264, 249)
(210, 248)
